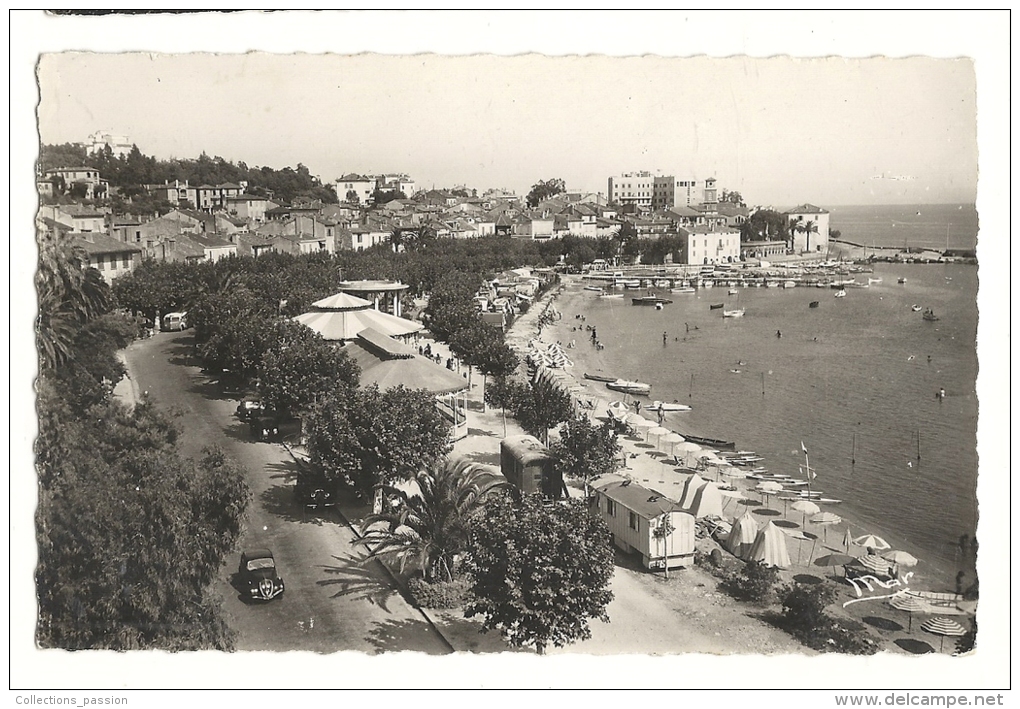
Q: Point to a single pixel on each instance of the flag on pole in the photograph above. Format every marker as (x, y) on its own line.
(803, 448)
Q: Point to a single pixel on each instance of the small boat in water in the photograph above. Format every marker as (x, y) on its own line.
(684, 289)
(716, 443)
(732, 291)
(813, 304)
(930, 315)
(628, 387)
(663, 406)
(733, 313)
(901, 280)
(716, 306)
(841, 293)
(599, 377)
(650, 300)
(790, 284)
(595, 289)
(874, 280)
(611, 295)
(916, 308)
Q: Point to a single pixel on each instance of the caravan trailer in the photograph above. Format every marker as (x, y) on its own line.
(175, 321)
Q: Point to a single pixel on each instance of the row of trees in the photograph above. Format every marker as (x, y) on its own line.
(130, 534)
(131, 172)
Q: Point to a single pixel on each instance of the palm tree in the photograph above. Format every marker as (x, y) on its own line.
(807, 228)
(70, 294)
(427, 529)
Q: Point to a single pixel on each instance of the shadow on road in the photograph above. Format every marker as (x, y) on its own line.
(479, 432)
(361, 580)
(278, 501)
(404, 636)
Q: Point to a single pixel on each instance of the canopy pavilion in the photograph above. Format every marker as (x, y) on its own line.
(377, 291)
(387, 363)
(342, 317)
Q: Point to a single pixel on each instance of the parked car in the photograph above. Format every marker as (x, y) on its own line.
(250, 406)
(268, 425)
(175, 321)
(258, 576)
(311, 490)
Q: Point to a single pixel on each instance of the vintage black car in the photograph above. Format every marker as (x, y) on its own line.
(250, 406)
(312, 491)
(258, 577)
(264, 428)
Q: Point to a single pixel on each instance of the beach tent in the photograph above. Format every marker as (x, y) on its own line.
(707, 501)
(742, 535)
(770, 547)
(691, 487)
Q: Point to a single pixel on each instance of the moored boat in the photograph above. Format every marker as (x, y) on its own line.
(611, 295)
(664, 406)
(716, 443)
(840, 293)
(650, 300)
(716, 306)
(684, 289)
(813, 304)
(629, 387)
(733, 313)
(599, 377)
(901, 280)
(732, 291)
(930, 315)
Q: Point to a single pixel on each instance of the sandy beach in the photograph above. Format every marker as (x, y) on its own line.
(651, 468)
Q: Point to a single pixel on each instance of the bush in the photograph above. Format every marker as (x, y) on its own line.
(804, 617)
(439, 594)
(755, 583)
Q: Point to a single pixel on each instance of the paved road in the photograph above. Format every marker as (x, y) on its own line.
(332, 602)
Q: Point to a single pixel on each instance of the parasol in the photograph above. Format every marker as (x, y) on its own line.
(870, 541)
(943, 627)
(900, 558)
(910, 604)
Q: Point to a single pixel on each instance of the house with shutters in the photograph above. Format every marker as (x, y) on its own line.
(111, 257)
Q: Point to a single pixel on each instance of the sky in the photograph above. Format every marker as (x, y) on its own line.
(781, 130)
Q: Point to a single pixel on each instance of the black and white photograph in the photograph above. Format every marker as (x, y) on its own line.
(504, 350)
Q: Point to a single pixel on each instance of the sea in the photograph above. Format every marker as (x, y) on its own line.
(853, 381)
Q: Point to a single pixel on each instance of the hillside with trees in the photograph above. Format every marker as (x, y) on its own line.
(131, 172)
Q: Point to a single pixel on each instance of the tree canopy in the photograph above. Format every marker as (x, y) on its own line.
(584, 451)
(373, 437)
(540, 570)
(544, 189)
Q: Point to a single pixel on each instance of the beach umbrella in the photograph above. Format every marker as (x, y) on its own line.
(742, 536)
(873, 542)
(655, 434)
(900, 558)
(686, 448)
(639, 423)
(910, 604)
(873, 562)
(668, 442)
(805, 507)
(770, 547)
(943, 627)
(767, 488)
(691, 487)
(833, 560)
(826, 519)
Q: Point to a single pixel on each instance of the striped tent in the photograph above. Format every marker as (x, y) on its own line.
(707, 501)
(691, 487)
(770, 547)
(742, 535)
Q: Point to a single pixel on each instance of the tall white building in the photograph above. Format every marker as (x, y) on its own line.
(97, 142)
(661, 191)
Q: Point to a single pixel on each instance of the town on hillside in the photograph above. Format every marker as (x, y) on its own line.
(384, 443)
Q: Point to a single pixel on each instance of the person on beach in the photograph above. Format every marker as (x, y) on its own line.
(661, 415)
(637, 407)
